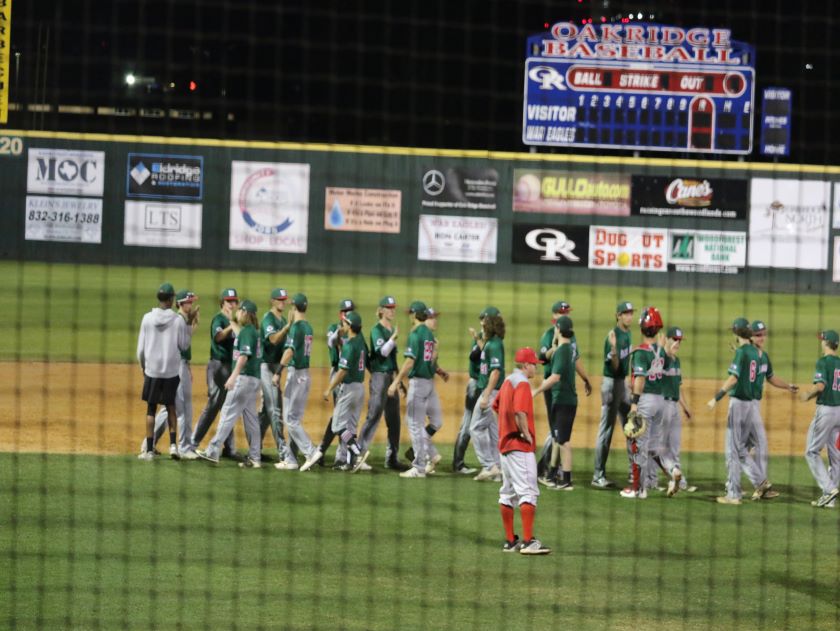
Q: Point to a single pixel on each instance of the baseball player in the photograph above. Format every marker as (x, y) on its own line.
(183, 397)
(615, 399)
(163, 336)
(484, 427)
(222, 335)
(548, 345)
(422, 399)
(273, 331)
(243, 387)
(351, 376)
(826, 421)
(432, 453)
(674, 402)
(383, 367)
(514, 406)
(742, 420)
(561, 384)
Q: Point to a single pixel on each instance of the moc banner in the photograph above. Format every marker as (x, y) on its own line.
(689, 195)
(57, 171)
(269, 206)
(68, 219)
(789, 224)
(362, 210)
(458, 239)
(159, 224)
(5, 53)
(628, 249)
(571, 192)
(707, 251)
(459, 188)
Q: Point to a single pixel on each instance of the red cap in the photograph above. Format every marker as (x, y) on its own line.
(526, 355)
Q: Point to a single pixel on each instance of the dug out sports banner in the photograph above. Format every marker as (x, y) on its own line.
(628, 249)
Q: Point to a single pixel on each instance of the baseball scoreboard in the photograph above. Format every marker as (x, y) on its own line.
(639, 86)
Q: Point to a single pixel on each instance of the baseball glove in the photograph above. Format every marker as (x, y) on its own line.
(635, 426)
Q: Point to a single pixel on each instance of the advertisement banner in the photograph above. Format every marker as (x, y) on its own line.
(707, 251)
(835, 275)
(269, 206)
(60, 171)
(68, 219)
(458, 239)
(159, 224)
(628, 249)
(567, 193)
(789, 224)
(835, 215)
(5, 51)
(541, 244)
(459, 188)
(175, 177)
(362, 210)
(689, 196)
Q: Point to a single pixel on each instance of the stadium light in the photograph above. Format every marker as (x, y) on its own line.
(130, 79)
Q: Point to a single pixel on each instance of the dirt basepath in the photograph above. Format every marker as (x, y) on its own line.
(96, 408)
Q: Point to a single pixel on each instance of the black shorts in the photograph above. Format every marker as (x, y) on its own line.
(562, 420)
(160, 391)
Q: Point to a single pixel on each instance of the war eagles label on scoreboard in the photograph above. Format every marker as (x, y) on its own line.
(639, 86)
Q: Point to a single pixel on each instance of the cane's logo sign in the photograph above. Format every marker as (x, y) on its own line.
(691, 193)
(262, 193)
(554, 244)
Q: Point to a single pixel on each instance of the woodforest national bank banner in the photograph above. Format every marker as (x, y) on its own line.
(571, 193)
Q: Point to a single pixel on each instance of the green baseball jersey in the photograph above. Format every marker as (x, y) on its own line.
(828, 372)
(671, 378)
(745, 367)
(223, 351)
(186, 354)
(270, 325)
(421, 348)
(334, 351)
(353, 359)
(475, 365)
(546, 342)
(622, 347)
(648, 363)
(563, 364)
(765, 371)
(379, 336)
(492, 358)
(299, 339)
(248, 343)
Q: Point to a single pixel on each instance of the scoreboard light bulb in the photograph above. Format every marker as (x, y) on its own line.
(639, 15)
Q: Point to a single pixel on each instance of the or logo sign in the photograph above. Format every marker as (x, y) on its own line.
(160, 224)
(553, 242)
(550, 245)
(689, 192)
(682, 247)
(689, 196)
(63, 171)
(165, 176)
(547, 77)
(459, 188)
(433, 183)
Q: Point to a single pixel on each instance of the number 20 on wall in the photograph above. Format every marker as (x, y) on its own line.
(11, 146)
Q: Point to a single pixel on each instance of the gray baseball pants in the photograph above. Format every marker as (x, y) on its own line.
(741, 427)
(217, 375)
(378, 403)
(822, 433)
(241, 401)
(672, 435)
(272, 408)
(183, 409)
(463, 440)
(296, 394)
(484, 431)
(757, 466)
(615, 401)
(345, 418)
(652, 407)
(422, 402)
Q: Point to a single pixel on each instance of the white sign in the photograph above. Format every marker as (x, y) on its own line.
(269, 206)
(789, 224)
(628, 249)
(707, 251)
(459, 239)
(58, 171)
(165, 225)
(835, 276)
(63, 219)
(835, 216)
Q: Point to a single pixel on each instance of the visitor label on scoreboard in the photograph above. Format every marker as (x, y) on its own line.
(639, 86)
(775, 122)
(628, 249)
(690, 195)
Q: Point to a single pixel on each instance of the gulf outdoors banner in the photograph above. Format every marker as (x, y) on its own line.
(689, 195)
(5, 48)
(571, 193)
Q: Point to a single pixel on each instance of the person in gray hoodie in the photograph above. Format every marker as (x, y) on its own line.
(163, 336)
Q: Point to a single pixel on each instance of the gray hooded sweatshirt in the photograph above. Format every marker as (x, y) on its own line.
(163, 335)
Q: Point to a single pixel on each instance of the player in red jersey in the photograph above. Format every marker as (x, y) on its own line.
(514, 407)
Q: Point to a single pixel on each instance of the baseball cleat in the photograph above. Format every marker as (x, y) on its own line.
(725, 499)
(359, 461)
(173, 452)
(827, 498)
(314, 457)
(204, 455)
(286, 466)
(534, 546)
(690, 489)
(564, 486)
(601, 483)
(513, 546)
(250, 464)
(831, 504)
(674, 483)
(632, 494)
(764, 491)
(148, 456)
(488, 474)
(413, 473)
(396, 465)
(189, 454)
(466, 470)
(433, 462)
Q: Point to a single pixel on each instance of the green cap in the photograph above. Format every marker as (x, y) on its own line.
(624, 307)
(300, 301)
(417, 307)
(561, 306)
(229, 294)
(248, 306)
(166, 289)
(564, 325)
(740, 323)
(388, 301)
(758, 326)
(353, 318)
(279, 294)
(675, 333)
(185, 295)
(830, 336)
(346, 305)
(489, 311)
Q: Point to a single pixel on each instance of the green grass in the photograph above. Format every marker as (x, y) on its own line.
(111, 542)
(92, 313)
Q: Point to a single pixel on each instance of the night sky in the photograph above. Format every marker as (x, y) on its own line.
(438, 73)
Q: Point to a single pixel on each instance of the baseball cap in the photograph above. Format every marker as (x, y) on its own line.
(300, 300)
(489, 311)
(624, 307)
(248, 306)
(526, 355)
(346, 305)
(388, 301)
(279, 294)
(185, 295)
(829, 336)
(675, 333)
(353, 318)
(229, 294)
(758, 327)
(166, 289)
(561, 306)
(740, 323)
(417, 306)
(564, 324)
(432, 312)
